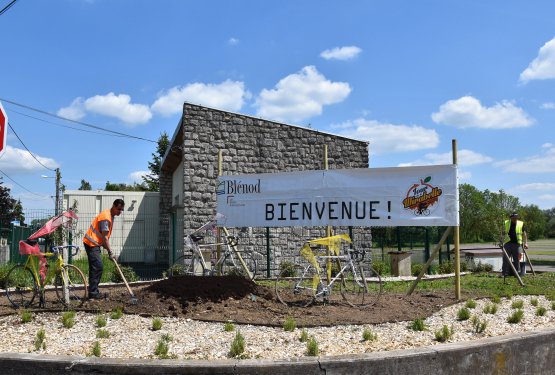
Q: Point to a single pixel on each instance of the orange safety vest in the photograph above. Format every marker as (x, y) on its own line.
(94, 236)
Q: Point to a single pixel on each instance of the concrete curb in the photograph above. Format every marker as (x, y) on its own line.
(527, 353)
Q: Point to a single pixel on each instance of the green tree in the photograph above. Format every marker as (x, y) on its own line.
(472, 211)
(9, 210)
(85, 185)
(124, 187)
(550, 223)
(152, 180)
(535, 221)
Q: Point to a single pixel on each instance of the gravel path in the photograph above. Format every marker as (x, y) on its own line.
(132, 337)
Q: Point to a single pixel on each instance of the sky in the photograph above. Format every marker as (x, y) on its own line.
(406, 76)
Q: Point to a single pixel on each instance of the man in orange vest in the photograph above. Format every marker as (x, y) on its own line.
(97, 236)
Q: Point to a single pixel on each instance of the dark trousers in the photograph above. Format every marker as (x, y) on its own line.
(95, 268)
(513, 251)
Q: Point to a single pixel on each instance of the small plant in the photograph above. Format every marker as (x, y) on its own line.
(490, 309)
(515, 317)
(289, 324)
(540, 311)
(101, 321)
(463, 314)
(163, 346)
(382, 268)
(237, 345)
(446, 267)
(518, 304)
(102, 334)
(229, 327)
(470, 304)
(287, 269)
(40, 338)
(418, 325)
(508, 295)
(68, 319)
(416, 269)
(26, 316)
(96, 351)
(128, 272)
(312, 347)
(156, 324)
(304, 336)
(116, 313)
(479, 325)
(534, 302)
(368, 335)
(444, 333)
(495, 299)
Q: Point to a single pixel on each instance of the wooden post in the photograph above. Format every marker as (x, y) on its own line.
(456, 239)
(218, 247)
(328, 228)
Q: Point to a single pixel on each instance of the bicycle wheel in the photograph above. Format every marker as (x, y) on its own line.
(363, 287)
(296, 288)
(76, 286)
(21, 286)
(188, 264)
(232, 266)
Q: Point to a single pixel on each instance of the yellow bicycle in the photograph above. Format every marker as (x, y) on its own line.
(25, 281)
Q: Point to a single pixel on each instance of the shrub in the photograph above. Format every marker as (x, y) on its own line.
(515, 317)
(68, 319)
(96, 351)
(116, 313)
(312, 347)
(446, 267)
(237, 345)
(229, 327)
(534, 302)
(40, 338)
(304, 336)
(495, 299)
(102, 334)
(490, 309)
(163, 347)
(463, 314)
(289, 324)
(418, 325)
(128, 272)
(101, 321)
(444, 333)
(540, 311)
(470, 304)
(156, 324)
(464, 267)
(433, 269)
(382, 268)
(479, 325)
(518, 304)
(287, 269)
(368, 335)
(416, 269)
(488, 267)
(26, 316)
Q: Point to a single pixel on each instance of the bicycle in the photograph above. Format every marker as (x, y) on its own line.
(25, 281)
(308, 284)
(193, 263)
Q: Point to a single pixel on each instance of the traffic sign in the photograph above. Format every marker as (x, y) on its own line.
(3, 129)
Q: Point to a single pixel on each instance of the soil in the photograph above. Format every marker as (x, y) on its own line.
(233, 298)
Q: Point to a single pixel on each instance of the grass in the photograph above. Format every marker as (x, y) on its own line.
(237, 345)
(540, 311)
(534, 302)
(515, 317)
(444, 333)
(289, 324)
(229, 327)
(312, 347)
(470, 304)
(26, 316)
(156, 324)
(490, 309)
(496, 299)
(102, 334)
(96, 351)
(116, 313)
(518, 304)
(368, 335)
(418, 325)
(40, 339)
(304, 336)
(101, 321)
(463, 314)
(479, 325)
(68, 319)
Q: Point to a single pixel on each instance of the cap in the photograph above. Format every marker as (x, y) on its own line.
(514, 214)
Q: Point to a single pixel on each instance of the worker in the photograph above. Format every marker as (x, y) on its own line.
(97, 236)
(515, 237)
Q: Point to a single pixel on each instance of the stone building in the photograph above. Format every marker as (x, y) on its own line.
(247, 144)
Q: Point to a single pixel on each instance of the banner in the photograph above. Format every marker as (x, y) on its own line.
(405, 196)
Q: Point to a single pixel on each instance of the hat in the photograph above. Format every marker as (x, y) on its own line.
(514, 214)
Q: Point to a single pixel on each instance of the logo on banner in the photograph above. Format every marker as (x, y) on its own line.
(422, 197)
(231, 188)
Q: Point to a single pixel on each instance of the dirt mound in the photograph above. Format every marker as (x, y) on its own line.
(208, 288)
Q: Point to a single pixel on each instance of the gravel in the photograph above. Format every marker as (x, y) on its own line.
(132, 336)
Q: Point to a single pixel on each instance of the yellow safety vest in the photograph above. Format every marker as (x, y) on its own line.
(519, 226)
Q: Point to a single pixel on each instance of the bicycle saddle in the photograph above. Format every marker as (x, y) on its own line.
(196, 237)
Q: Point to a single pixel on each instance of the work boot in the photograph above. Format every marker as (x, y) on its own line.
(99, 296)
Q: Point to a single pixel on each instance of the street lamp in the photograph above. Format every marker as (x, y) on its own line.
(57, 202)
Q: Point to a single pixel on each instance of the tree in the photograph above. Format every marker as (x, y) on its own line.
(152, 180)
(124, 187)
(7, 205)
(85, 185)
(472, 213)
(535, 221)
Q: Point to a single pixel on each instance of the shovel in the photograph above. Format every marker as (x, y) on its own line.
(134, 300)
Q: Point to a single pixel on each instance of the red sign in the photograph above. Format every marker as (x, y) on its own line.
(3, 129)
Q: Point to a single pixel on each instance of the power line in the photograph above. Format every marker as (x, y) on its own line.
(34, 157)
(75, 121)
(5, 9)
(21, 186)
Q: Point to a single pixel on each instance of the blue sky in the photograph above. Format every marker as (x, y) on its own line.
(407, 76)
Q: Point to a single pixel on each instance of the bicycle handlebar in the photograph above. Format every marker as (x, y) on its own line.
(58, 249)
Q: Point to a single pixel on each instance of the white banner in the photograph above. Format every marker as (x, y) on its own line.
(406, 196)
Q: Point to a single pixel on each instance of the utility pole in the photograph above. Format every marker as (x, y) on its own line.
(57, 203)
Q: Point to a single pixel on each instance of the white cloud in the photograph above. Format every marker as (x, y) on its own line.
(544, 163)
(468, 112)
(548, 105)
(300, 96)
(465, 158)
(341, 53)
(120, 107)
(233, 41)
(75, 111)
(389, 138)
(16, 161)
(535, 187)
(228, 95)
(543, 66)
(137, 176)
(547, 145)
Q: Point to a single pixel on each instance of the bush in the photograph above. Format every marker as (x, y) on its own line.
(116, 313)
(479, 325)
(534, 302)
(418, 325)
(446, 267)
(464, 267)
(237, 345)
(40, 339)
(229, 327)
(443, 334)
(483, 267)
(101, 321)
(368, 335)
(312, 347)
(518, 304)
(470, 304)
(495, 299)
(26, 316)
(416, 269)
(540, 311)
(515, 317)
(382, 268)
(304, 336)
(96, 351)
(127, 271)
(68, 319)
(163, 347)
(102, 334)
(463, 314)
(287, 269)
(490, 309)
(156, 324)
(289, 324)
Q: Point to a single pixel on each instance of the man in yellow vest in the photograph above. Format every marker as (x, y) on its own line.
(98, 235)
(516, 235)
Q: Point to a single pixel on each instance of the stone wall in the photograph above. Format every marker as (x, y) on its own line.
(248, 145)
